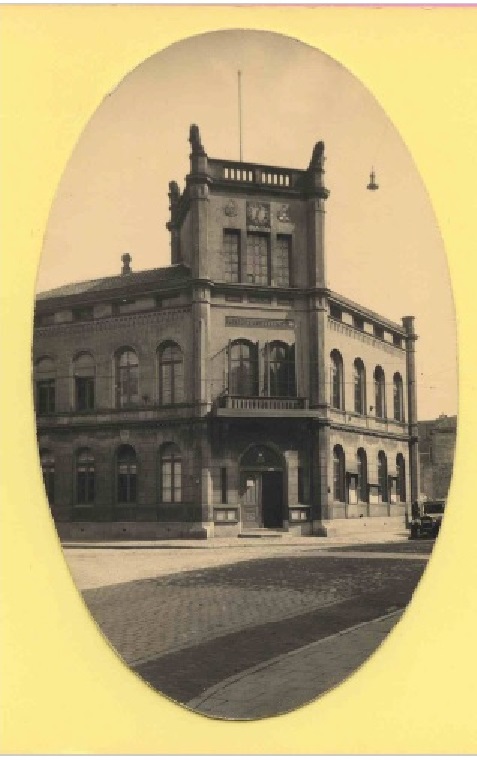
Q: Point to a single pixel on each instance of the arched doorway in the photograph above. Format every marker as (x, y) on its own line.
(261, 488)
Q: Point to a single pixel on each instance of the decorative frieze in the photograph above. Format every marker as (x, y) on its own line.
(110, 323)
(352, 332)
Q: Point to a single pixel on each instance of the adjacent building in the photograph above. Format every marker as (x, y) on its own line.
(231, 391)
(436, 456)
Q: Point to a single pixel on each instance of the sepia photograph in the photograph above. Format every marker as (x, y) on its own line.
(244, 372)
(238, 409)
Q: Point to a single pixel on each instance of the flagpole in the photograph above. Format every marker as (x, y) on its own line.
(240, 110)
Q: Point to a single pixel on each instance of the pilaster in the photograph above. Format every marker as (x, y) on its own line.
(411, 337)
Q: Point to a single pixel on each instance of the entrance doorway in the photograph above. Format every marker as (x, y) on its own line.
(261, 489)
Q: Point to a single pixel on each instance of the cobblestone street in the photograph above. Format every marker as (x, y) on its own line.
(187, 632)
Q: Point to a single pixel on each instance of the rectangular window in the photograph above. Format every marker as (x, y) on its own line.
(233, 299)
(335, 312)
(281, 261)
(397, 341)
(231, 249)
(358, 323)
(84, 389)
(223, 485)
(45, 396)
(378, 332)
(258, 265)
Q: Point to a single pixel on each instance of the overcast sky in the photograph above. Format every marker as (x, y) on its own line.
(384, 249)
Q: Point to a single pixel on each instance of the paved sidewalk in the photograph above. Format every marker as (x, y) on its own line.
(296, 678)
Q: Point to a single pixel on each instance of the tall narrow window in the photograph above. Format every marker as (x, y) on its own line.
(379, 393)
(362, 464)
(243, 373)
(281, 261)
(171, 370)
(47, 461)
(127, 378)
(359, 381)
(401, 477)
(338, 474)
(398, 398)
(231, 250)
(171, 474)
(223, 485)
(45, 386)
(281, 369)
(85, 477)
(301, 485)
(126, 475)
(336, 380)
(258, 266)
(84, 370)
(383, 476)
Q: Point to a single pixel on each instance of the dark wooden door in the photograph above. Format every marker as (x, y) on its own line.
(272, 499)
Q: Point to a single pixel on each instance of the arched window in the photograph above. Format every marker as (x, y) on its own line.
(379, 392)
(47, 461)
(398, 398)
(126, 475)
(171, 374)
(362, 466)
(45, 385)
(359, 381)
(401, 477)
(83, 373)
(171, 474)
(127, 378)
(281, 369)
(338, 474)
(85, 477)
(336, 381)
(382, 476)
(243, 371)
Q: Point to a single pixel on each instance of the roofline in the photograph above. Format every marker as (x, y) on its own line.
(372, 315)
(123, 282)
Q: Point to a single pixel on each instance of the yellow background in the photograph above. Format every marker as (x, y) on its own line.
(64, 691)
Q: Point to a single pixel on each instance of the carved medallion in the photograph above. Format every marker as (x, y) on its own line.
(230, 208)
(258, 215)
(283, 214)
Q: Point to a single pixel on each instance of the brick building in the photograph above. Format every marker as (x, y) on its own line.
(232, 390)
(436, 455)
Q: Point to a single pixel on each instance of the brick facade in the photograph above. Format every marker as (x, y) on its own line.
(232, 390)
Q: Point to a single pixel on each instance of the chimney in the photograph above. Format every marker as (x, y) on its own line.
(126, 259)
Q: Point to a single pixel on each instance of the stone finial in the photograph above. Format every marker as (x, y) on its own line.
(126, 259)
(318, 157)
(408, 324)
(174, 194)
(195, 142)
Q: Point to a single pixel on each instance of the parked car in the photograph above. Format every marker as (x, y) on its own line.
(428, 522)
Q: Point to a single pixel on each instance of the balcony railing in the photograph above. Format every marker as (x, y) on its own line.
(270, 403)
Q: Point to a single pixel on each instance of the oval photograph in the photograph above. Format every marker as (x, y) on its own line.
(244, 368)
